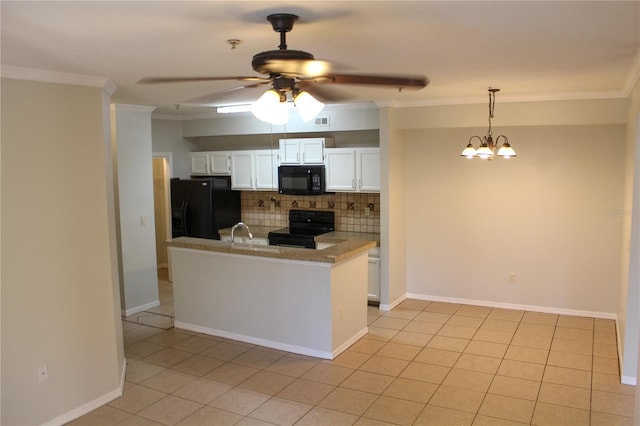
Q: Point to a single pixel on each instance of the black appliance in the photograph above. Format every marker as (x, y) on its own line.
(304, 225)
(301, 180)
(201, 207)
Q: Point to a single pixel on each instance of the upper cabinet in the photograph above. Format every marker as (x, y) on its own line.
(199, 162)
(208, 163)
(304, 151)
(353, 169)
(254, 170)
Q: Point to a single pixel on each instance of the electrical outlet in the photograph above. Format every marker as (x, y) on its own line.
(512, 278)
(143, 220)
(43, 373)
(367, 211)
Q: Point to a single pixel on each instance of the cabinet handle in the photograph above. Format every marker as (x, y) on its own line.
(353, 183)
(360, 183)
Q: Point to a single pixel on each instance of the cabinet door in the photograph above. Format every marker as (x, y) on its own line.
(219, 163)
(199, 163)
(340, 169)
(242, 170)
(368, 169)
(290, 151)
(374, 278)
(266, 170)
(312, 151)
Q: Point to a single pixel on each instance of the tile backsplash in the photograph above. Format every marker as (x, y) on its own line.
(272, 209)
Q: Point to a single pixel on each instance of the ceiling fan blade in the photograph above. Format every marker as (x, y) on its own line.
(298, 67)
(162, 80)
(416, 82)
(323, 93)
(233, 95)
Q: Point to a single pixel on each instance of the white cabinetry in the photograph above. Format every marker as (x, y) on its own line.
(219, 163)
(251, 170)
(353, 169)
(374, 275)
(303, 151)
(199, 162)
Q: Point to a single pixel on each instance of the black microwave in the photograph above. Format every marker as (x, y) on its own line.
(301, 180)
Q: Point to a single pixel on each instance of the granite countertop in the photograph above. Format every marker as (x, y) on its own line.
(344, 245)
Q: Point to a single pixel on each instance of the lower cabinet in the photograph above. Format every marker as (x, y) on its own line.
(374, 275)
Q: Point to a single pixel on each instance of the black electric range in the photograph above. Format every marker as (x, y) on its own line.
(304, 225)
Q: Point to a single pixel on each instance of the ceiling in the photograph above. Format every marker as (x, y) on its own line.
(528, 49)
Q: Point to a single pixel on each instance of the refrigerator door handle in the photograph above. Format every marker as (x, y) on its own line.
(186, 222)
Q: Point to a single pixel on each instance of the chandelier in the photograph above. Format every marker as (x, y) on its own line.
(273, 106)
(487, 148)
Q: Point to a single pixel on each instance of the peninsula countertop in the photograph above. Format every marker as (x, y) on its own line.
(342, 245)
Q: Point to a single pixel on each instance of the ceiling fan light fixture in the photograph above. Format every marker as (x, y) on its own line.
(308, 106)
(270, 108)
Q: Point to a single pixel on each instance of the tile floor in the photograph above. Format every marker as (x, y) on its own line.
(424, 363)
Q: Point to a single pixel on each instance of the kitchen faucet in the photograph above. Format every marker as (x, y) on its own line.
(241, 225)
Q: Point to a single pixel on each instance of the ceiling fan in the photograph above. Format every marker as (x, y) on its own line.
(293, 72)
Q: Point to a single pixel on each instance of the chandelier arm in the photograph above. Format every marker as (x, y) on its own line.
(501, 136)
(476, 137)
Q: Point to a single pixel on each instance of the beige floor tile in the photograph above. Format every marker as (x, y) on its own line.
(605, 365)
(425, 327)
(292, 365)
(573, 334)
(306, 391)
(384, 365)
(506, 314)
(169, 337)
(605, 351)
(104, 415)
(437, 357)
(392, 323)
(612, 403)
(367, 382)
(496, 350)
(536, 329)
(202, 390)
(399, 351)
(168, 381)
(448, 343)
(142, 332)
(457, 398)
(349, 359)
(133, 420)
(520, 353)
(466, 379)
(473, 311)
(138, 370)
(500, 325)
(348, 401)
(425, 372)
(141, 349)
(170, 410)
(567, 396)
(611, 383)
(567, 376)
(505, 407)
(281, 411)
(168, 357)
(329, 374)
(412, 338)
(483, 364)
(210, 416)
(408, 314)
(531, 341)
(257, 358)
(380, 333)
(457, 331)
(570, 360)
(136, 398)
(443, 307)
(433, 317)
(198, 365)
(231, 374)
(521, 370)
(604, 419)
(194, 344)
(606, 337)
(393, 410)
(539, 318)
(573, 346)
(575, 322)
(481, 420)
(514, 387)
(465, 321)
(494, 336)
(367, 346)
(267, 382)
(412, 390)
(323, 416)
(414, 304)
(555, 415)
(239, 401)
(441, 416)
(225, 351)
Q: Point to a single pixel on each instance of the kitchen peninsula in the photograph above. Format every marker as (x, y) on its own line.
(306, 301)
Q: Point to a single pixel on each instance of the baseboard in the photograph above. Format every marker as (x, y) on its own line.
(91, 405)
(628, 380)
(256, 341)
(349, 342)
(390, 306)
(519, 307)
(140, 308)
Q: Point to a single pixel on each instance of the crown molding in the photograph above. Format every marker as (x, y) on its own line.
(134, 108)
(45, 76)
(633, 76)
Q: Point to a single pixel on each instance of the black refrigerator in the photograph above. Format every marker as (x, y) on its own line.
(201, 207)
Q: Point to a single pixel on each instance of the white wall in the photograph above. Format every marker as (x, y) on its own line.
(131, 132)
(167, 137)
(59, 286)
(543, 216)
